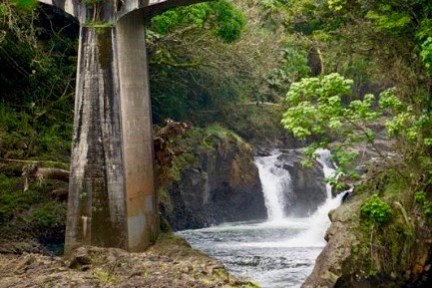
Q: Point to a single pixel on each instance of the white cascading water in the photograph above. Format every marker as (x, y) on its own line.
(277, 253)
(319, 221)
(275, 182)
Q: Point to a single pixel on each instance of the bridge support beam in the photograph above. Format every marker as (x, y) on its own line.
(141, 202)
(112, 202)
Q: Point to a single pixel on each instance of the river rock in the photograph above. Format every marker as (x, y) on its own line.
(340, 242)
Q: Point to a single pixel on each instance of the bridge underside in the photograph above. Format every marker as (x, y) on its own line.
(112, 200)
(115, 9)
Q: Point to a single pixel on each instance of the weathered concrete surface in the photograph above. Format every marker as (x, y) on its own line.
(96, 205)
(137, 136)
(112, 202)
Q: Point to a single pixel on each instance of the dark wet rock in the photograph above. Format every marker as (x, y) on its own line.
(263, 152)
(308, 189)
(222, 186)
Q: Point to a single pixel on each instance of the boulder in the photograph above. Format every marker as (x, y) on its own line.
(223, 185)
(308, 189)
(341, 239)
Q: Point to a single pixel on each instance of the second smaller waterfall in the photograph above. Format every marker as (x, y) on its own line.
(276, 183)
(319, 221)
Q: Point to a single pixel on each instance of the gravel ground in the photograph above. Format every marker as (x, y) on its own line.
(170, 263)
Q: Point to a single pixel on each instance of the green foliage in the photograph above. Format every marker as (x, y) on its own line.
(390, 101)
(293, 66)
(421, 198)
(425, 30)
(164, 197)
(38, 62)
(23, 135)
(104, 276)
(227, 21)
(195, 85)
(25, 4)
(47, 217)
(317, 108)
(336, 5)
(408, 123)
(205, 72)
(31, 213)
(93, 2)
(426, 54)
(230, 21)
(257, 124)
(195, 15)
(315, 104)
(165, 22)
(12, 200)
(375, 210)
(386, 18)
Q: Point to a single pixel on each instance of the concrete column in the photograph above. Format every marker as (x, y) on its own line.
(112, 202)
(141, 200)
(97, 204)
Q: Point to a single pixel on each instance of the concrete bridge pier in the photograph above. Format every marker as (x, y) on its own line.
(112, 200)
(141, 202)
(111, 195)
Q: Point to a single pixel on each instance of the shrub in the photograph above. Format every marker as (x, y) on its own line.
(376, 210)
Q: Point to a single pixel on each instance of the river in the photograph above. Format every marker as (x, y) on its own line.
(279, 252)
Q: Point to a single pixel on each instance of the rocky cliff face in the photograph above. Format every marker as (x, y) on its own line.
(214, 180)
(217, 182)
(359, 255)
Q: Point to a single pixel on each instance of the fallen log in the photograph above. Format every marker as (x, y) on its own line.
(34, 172)
(31, 171)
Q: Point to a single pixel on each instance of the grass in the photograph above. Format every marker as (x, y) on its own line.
(104, 276)
(26, 134)
(33, 213)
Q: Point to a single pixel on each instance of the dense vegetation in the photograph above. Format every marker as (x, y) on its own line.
(384, 47)
(344, 66)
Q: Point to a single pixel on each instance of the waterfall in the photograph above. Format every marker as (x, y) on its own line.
(280, 252)
(276, 183)
(319, 221)
(328, 167)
